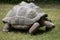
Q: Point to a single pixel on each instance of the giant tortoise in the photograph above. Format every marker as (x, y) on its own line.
(26, 16)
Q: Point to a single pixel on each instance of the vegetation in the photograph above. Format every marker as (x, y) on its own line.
(53, 12)
(35, 1)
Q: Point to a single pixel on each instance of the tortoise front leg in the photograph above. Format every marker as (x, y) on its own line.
(34, 27)
(6, 27)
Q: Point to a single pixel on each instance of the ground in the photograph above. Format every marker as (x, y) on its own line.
(53, 12)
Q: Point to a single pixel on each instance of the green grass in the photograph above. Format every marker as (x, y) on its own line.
(53, 13)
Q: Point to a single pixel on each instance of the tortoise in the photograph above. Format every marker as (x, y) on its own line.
(26, 16)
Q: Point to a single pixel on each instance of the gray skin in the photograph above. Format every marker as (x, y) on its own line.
(26, 16)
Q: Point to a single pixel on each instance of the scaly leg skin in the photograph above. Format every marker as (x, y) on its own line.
(6, 27)
(34, 27)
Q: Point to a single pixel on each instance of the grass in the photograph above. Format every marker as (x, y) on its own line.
(53, 13)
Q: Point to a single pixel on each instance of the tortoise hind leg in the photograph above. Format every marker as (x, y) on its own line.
(34, 27)
(6, 27)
